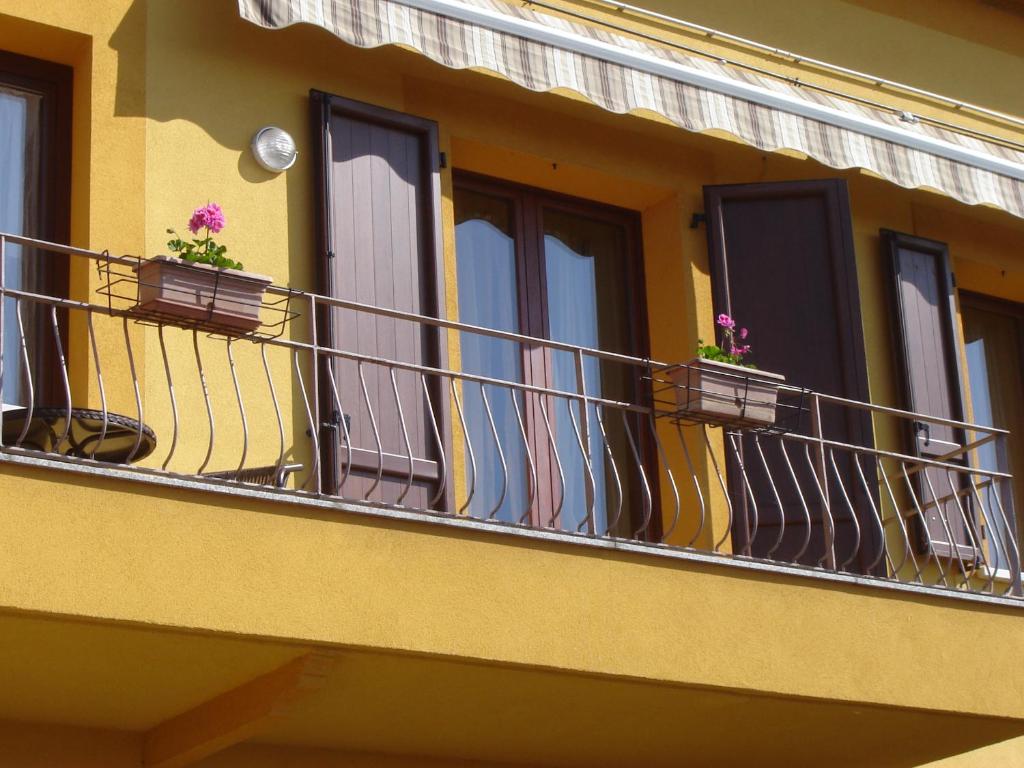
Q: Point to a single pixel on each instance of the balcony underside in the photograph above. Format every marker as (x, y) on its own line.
(135, 679)
(455, 641)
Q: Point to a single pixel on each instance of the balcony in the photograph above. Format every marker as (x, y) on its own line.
(108, 389)
(233, 509)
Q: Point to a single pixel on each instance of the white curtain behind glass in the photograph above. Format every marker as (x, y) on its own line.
(572, 317)
(488, 298)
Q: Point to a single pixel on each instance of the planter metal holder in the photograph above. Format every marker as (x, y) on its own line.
(126, 294)
(677, 394)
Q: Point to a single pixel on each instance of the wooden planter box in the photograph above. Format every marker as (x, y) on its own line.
(730, 394)
(214, 298)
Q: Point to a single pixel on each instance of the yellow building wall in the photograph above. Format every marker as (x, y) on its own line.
(168, 95)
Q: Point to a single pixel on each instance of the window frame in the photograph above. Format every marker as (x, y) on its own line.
(527, 204)
(54, 83)
(1015, 311)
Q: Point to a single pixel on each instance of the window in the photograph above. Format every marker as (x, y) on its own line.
(569, 271)
(34, 190)
(993, 337)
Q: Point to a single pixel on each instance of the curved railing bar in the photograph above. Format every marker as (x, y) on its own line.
(173, 398)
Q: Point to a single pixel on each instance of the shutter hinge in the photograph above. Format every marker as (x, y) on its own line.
(330, 254)
(442, 159)
(952, 278)
(697, 219)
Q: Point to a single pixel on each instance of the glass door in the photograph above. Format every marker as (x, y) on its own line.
(993, 344)
(19, 169)
(567, 271)
(34, 182)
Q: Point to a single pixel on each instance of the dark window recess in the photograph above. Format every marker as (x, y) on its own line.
(928, 352)
(782, 263)
(569, 270)
(35, 182)
(379, 224)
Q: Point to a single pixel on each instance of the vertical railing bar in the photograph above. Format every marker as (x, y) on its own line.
(501, 453)
(339, 487)
(648, 496)
(611, 522)
(590, 486)
(206, 397)
(803, 501)
(27, 372)
(174, 400)
(1014, 565)
(722, 483)
(748, 489)
(405, 437)
(671, 479)
(908, 550)
(883, 551)
(583, 436)
(135, 386)
(277, 410)
(241, 406)
(1009, 525)
(65, 380)
(943, 519)
(985, 521)
(853, 513)
(827, 559)
(557, 512)
(376, 432)
(314, 354)
(827, 521)
(923, 525)
(99, 380)
(778, 499)
(469, 447)
(701, 504)
(531, 490)
(314, 471)
(442, 464)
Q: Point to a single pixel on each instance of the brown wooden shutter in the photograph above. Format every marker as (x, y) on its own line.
(782, 263)
(929, 353)
(380, 242)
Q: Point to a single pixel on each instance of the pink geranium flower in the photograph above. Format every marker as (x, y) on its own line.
(209, 216)
(731, 350)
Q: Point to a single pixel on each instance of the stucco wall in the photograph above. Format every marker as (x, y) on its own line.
(168, 95)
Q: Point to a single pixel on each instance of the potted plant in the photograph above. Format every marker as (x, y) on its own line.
(718, 386)
(200, 284)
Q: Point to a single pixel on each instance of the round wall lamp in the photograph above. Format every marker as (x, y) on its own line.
(274, 149)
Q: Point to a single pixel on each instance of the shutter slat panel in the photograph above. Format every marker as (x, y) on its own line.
(928, 350)
(383, 210)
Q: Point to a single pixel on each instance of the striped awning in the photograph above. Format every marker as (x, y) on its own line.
(544, 52)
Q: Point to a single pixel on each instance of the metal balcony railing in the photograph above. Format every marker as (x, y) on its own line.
(374, 407)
